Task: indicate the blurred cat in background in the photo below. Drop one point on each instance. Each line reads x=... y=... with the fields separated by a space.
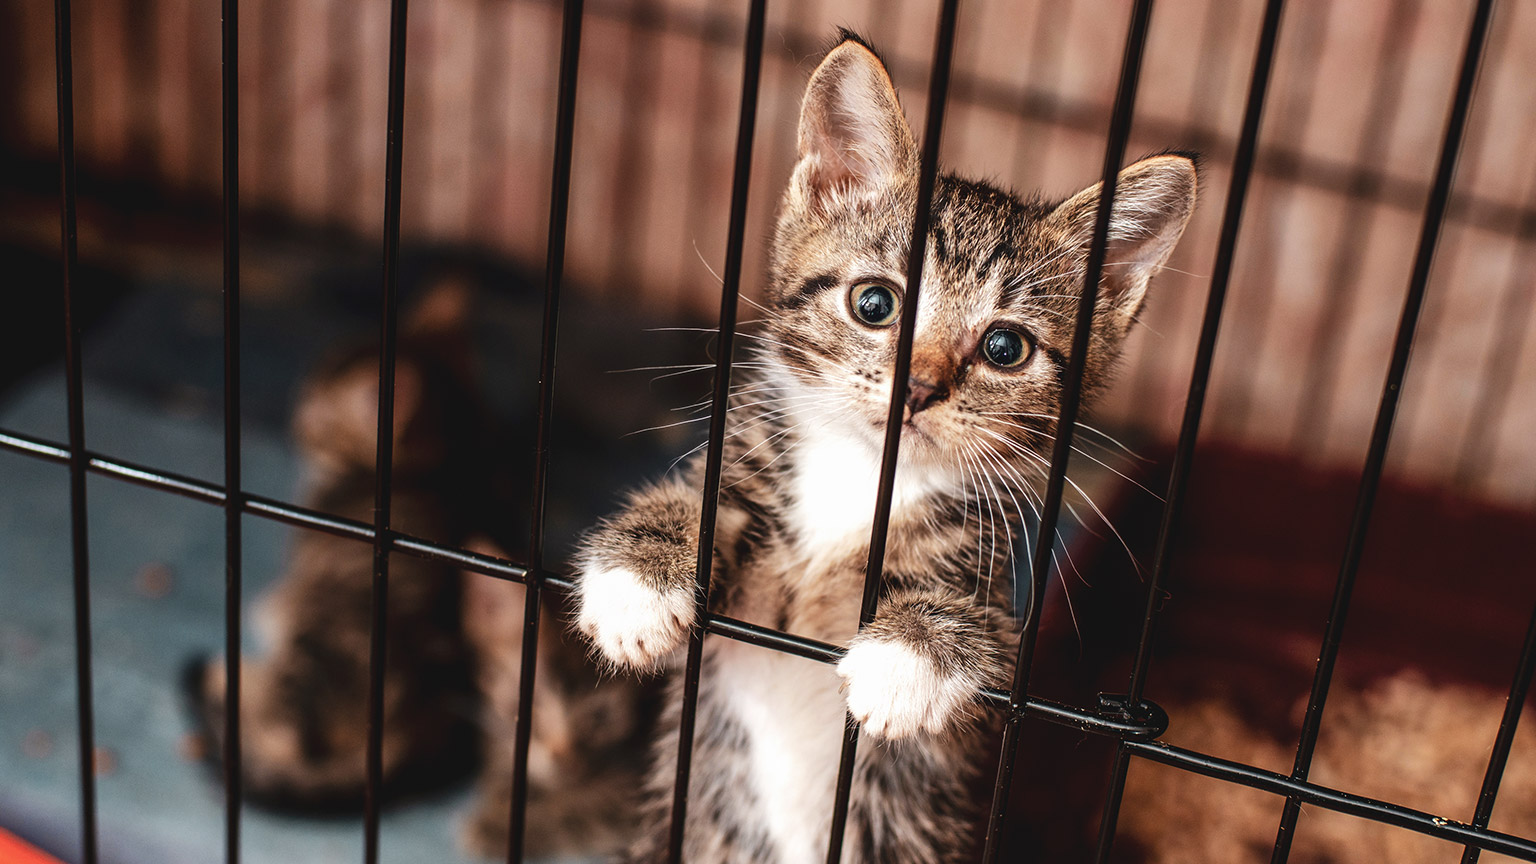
x=453 y=639
x=304 y=704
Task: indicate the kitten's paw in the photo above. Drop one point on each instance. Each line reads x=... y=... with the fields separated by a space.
x=629 y=621
x=895 y=692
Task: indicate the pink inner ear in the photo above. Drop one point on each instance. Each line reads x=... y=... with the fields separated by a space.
x=1137 y=254
x=837 y=146
x=833 y=176
x=853 y=135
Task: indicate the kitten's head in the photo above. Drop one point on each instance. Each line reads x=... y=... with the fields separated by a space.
x=1000 y=287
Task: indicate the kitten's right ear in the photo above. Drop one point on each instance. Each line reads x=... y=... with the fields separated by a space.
x=854 y=139
x=1154 y=199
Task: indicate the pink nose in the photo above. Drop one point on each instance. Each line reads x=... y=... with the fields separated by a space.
x=923 y=394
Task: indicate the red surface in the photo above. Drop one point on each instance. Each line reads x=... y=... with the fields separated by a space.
x=14 y=851
x=1445 y=589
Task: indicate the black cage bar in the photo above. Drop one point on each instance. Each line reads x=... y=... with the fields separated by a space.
x=234 y=545
x=1071 y=400
x=938 y=92
x=554 y=271
x=1133 y=723
x=730 y=292
x=63 y=53
x=384 y=462
x=1194 y=403
x=1375 y=462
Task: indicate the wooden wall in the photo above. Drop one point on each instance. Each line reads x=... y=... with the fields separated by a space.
x=1360 y=98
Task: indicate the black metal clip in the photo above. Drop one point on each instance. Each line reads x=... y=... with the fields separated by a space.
x=1142 y=721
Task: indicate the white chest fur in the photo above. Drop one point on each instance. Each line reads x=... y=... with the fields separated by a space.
x=835 y=481
x=792 y=711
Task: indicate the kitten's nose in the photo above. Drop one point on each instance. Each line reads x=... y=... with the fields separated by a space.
x=922 y=394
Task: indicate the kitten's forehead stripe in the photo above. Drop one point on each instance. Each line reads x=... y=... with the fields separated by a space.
x=985 y=233
x=940 y=247
x=810 y=288
x=1003 y=250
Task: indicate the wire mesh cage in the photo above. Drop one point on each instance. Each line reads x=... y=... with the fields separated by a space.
x=1331 y=137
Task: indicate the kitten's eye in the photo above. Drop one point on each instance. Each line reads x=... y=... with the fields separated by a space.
x=1005 y=348
x=874 y=304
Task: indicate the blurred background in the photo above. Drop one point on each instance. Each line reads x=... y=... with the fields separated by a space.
x=1359 y=102
x=1352 y=130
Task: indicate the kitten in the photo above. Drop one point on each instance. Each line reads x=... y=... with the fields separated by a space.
x=304 y=704
x=802 y=455
x=587 y=734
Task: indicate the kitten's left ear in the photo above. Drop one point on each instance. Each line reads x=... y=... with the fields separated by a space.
x=1153 y=202
x=854 y=139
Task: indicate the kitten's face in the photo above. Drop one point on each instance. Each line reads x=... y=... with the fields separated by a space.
x=1000 y=286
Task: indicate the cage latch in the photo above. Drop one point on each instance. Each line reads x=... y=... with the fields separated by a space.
x=1143 y=720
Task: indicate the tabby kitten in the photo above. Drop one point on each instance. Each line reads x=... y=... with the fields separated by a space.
x=304 y=703
x=999 y=291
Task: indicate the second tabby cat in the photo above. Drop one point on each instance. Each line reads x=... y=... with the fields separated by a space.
x=303 y=704
x=454 y=639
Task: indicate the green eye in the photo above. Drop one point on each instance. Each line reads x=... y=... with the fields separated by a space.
x=874 y=304
x=1005 y=348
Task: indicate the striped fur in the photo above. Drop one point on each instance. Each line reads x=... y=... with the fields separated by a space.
x=798 y=492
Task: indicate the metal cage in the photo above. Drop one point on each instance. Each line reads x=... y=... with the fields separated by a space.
x=1129 y=720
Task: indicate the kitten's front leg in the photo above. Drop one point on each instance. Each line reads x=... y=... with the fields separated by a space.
x=921 y=662
x=635 y=586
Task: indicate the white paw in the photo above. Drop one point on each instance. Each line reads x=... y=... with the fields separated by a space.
x=630 y=622
x=896 y=692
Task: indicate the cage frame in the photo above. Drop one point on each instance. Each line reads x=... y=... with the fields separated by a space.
x=1132 y=722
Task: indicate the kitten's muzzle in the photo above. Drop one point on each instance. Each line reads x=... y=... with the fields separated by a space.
x=923 y=394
